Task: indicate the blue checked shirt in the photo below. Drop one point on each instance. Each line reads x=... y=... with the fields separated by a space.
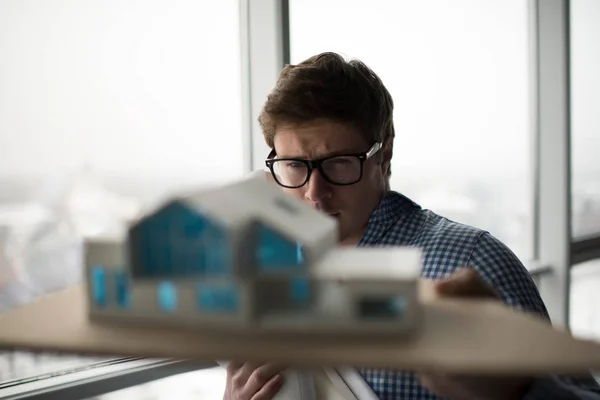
x=448 y=245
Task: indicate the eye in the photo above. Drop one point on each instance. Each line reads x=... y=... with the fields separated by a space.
x=340 y=162
x=294 y=164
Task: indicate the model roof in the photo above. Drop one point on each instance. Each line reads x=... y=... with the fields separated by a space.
x=258 y=199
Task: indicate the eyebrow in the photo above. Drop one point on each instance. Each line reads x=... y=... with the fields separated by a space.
x=342 y=152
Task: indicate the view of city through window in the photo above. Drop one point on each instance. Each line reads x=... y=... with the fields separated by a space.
x=585 y=118
x=585 y=172
x=105 y=107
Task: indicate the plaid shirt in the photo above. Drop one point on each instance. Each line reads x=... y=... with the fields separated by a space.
x=447 y=246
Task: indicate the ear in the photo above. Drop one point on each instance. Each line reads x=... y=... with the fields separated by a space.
x=387 y=152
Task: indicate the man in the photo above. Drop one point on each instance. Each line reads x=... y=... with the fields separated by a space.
x=329 y=123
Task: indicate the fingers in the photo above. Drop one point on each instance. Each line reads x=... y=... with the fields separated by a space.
x=270 y=389
x=233 y=366
x=248 y=379
x=240 y=373
x=465 y=282
x=260 y=376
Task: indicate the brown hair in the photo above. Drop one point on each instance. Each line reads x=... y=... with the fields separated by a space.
x=328 y=87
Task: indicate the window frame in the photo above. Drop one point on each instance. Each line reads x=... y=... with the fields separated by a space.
x=98 y=381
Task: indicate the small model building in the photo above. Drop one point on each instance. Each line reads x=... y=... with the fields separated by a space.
x=247 y=255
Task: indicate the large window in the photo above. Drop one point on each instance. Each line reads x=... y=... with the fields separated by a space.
x=585 y=117
x=584 y=314
x=106 y=106
x=146 y=95
x=458 y=73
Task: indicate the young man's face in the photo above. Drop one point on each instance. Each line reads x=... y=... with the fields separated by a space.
x=352 y=204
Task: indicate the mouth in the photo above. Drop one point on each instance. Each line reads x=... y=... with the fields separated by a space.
x=334 y=215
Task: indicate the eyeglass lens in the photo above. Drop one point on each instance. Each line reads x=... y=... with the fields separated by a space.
x=341 y=170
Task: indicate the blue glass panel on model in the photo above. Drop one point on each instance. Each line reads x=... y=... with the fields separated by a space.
x=163 y=241
x=186 y=241
x=190 y=245
x=146 y=252
x=299 y=253
x=170 y=241
x=275 y=251
x=399 y=305
x=217 y=250
x=98 y=277
x=153 y=245
x=300 y=290
x=122 y=289
x=218 y=299
x=167 y=296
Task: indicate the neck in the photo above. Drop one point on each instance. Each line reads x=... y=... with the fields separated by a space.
x=351 y=241
x=354 y=239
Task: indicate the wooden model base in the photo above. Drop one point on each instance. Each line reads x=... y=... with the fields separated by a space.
x=458 y=336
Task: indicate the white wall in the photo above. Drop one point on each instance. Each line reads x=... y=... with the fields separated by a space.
x=147 y=92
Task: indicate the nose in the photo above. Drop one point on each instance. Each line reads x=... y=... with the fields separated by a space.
x=317 y=189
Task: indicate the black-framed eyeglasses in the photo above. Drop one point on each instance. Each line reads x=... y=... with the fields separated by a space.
x=338 y=170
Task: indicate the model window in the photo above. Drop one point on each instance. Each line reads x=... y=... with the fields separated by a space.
x=99 y=286
x=218 y=299
x=217 y=250
x=381 y=307
x=122 y=289
x=300 y=290
x=275 y=251
x=167 y=296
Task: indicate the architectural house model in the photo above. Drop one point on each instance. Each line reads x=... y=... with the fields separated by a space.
x=247 y=255
x=244 y=272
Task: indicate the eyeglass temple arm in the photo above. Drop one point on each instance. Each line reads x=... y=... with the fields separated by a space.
x=374 y=149
x=271 y=155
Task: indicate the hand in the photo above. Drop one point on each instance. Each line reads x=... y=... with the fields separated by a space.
x=466 y=282
x=252 y=382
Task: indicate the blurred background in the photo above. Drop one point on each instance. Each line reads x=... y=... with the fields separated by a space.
x=109 y=106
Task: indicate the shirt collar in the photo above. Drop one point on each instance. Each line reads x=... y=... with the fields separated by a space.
x=393 y=209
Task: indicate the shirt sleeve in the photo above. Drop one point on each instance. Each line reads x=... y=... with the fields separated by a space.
x=501 y=268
